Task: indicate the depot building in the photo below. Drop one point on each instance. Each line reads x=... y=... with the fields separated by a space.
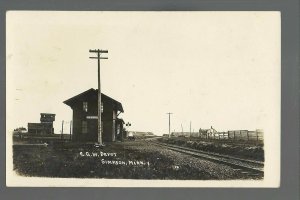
x=85 y=117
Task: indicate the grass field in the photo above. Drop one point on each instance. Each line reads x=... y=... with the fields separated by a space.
x=128 y=160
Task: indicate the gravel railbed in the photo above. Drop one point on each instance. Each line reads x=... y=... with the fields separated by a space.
x=226 y=158
x=190 y=166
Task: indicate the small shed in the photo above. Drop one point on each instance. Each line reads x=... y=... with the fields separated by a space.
x=44 y=127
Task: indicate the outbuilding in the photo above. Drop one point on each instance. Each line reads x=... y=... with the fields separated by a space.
x=44 y=127
x=85 y=117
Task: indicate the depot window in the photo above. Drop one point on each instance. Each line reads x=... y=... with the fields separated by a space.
x=85 y=106
x=84 y=127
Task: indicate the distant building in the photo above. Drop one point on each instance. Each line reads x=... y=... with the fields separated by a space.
x=202 y=133
x=85 y=117
x=45 y=126
x=139 y=134
x=212 y=132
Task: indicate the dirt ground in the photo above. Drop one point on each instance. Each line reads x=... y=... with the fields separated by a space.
x=126 y=160
x=250 y=151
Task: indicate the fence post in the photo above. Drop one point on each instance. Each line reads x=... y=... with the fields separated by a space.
x=71 y=130
x=62 y=130
x=233 y=135
x=247 y=135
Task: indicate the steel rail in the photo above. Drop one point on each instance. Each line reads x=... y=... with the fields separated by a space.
x=223 y=159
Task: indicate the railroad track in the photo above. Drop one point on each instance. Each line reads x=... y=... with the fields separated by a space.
x=250 y=168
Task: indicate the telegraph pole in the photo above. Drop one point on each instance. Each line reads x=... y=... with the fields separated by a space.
x=169 y=123
x=99 y=52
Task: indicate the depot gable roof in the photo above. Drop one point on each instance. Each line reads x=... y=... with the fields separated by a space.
x=93 y=91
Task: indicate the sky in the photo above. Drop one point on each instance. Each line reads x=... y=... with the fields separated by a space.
x=219 y=69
